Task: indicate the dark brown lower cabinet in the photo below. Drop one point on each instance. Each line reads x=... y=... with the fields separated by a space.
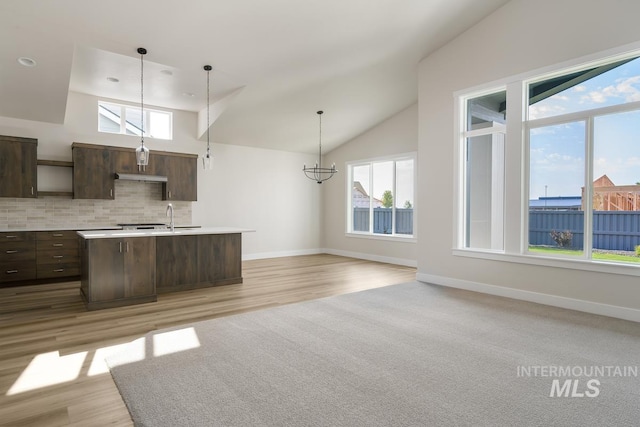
x=17 y=257
x=57 y=254
x=191 y=262
x=219 y=259
x=176 y=263
x=118 y=272
x=36 y=257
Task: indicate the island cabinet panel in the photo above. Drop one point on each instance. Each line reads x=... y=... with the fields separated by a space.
x=220 y=259
x=118 y=272
x=176 y=263
x=18 y=167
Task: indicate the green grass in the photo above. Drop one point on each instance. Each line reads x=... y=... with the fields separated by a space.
x=596 y=255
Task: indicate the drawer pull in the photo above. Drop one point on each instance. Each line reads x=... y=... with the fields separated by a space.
x=11 y=237
x=12 y=251
x=57 y=256
x=58 y=270
x=12 y=271
x=57 y=245
x=57 y=234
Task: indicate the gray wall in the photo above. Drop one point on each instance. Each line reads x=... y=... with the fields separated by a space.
x=396 y=135
x=520 y=37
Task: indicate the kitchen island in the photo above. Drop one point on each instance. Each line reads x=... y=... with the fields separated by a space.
x=122 y=267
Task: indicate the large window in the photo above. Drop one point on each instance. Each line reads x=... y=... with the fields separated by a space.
x=127 y=120
x=381 y=197
x=562 y=180
x=584 y=163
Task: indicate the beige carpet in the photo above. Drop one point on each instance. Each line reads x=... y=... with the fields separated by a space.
x=404 y=355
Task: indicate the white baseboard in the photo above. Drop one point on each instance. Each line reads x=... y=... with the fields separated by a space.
x=280 y=254
x=547 y=299
x=358 y=255
x=370 y=257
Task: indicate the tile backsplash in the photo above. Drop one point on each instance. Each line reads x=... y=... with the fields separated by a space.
x=134 y=202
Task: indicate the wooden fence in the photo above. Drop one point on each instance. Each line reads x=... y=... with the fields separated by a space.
x=382 y=220
x=612 y=230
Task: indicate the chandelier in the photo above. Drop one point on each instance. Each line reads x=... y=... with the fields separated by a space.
x=318 y=173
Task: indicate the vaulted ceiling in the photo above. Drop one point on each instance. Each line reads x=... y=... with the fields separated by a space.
x=275 y=63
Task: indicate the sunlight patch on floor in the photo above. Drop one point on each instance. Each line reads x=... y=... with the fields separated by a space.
x=98 y=363
x=175 y=341
x=48 y=369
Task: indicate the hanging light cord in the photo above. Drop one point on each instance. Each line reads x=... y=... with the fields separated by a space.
x=142 y=52
x=208 y=125
x=320 y=143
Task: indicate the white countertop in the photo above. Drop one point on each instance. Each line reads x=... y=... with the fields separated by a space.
x=77 y=228
x=62 y=228
x=111 y=234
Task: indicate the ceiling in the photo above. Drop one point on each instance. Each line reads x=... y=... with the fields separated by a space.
x=275 y=63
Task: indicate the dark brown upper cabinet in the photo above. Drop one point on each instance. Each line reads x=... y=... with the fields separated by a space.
x=182 y=175
x=93 y=174
x=18 y=167
x=95 y=167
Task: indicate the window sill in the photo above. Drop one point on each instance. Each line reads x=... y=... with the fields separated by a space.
x=549 y=261
x=394 y=238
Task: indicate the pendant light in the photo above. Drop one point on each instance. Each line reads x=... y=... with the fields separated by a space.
x=207 y=159
x=318 y=173
x=142 y=152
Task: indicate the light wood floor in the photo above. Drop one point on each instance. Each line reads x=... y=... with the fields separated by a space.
x=48 y=326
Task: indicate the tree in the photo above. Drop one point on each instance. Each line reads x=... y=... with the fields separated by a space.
x=562 y=238
x=387 y=199
x=408 y=205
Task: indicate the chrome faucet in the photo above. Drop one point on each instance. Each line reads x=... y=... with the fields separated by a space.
x=170 y=213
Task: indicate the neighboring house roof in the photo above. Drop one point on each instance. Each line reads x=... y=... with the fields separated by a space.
x=558 y=202
x=603 y=181
x=358 y=188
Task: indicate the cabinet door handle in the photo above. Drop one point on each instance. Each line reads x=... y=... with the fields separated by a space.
x=169 y=194
x=11 y=237
x=57 y=245
x=57 y=256
x=12 y=271
x=57 y=234
x=32 y=191
x=120 y=246
x=111 y=192
x=58 y=270
x=12 y=251
x=127 y=244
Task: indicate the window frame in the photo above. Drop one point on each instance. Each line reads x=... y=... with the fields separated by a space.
x=147 y=120
x=461 y=153
x=349 y=205
x=517 y=157
x=588 y=117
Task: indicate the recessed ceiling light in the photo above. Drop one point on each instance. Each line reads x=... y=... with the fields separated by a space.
x=113 y=79
x=189 y=94
x=167 y=72
x=27 y=62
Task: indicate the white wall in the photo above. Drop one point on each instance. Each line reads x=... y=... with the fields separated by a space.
x=252 y=188
x=396 y=135
x=264 y=190
x=520 y=37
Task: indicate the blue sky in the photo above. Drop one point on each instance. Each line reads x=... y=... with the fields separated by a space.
x=558 y=152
